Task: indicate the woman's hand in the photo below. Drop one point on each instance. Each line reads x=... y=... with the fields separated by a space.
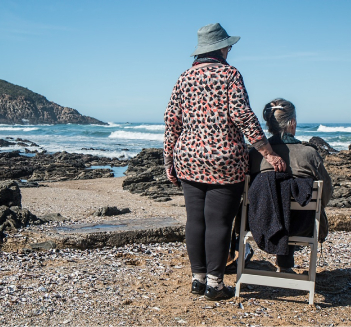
x=171 y=177
x=276 y=161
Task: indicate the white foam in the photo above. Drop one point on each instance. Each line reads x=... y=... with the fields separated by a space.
x=24 y=129
x=303 y=137
x=327 y=129
x=136 y=136
x=148 y=127
x=111 y=124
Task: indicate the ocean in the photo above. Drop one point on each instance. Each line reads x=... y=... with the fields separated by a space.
x=125 y=140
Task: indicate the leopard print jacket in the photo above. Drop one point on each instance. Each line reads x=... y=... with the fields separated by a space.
x=206 y=120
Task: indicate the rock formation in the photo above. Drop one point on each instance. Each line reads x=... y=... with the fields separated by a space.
x=146 y=175
x=19 y=105
x=54 y=167
x=12 y=215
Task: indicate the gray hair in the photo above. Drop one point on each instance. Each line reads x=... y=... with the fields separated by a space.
x=278 y=115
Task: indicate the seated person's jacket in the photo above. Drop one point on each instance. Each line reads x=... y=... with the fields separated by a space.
x=302 y=161
x=270 y=220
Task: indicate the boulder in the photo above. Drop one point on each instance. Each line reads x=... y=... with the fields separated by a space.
x=12 y=215
x=321 y=146
x=10 y=194
x=4 y=143
x=146 y=176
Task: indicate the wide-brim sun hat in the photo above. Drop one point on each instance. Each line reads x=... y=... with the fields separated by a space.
x=213 y=37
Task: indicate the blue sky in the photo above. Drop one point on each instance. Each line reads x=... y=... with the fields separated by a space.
x=118 y=60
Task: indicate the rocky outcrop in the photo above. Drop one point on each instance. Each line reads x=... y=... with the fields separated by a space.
x=19 y=105
x=146 y=176
x=59 y=166
x=339 y=167
x=12 y=215
x=321 y=146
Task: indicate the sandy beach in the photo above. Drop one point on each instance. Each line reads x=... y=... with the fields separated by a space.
x=148 y=284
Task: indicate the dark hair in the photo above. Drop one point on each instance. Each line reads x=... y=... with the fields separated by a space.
x=278 y=115
x=212 y=54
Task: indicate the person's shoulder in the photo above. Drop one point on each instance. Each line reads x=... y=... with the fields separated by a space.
x=232 y=69
x=305 y=149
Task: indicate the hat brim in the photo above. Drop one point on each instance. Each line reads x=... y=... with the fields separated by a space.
x=215 y=46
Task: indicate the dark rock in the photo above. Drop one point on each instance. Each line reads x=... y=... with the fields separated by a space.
x=10 y=194
x=22 y=183
x=26 y=141
x=12 y=215
x=350 y=147
x=110 y=211
x=11 y=154
x=4 y=143
x=321 y=146
x=55 y=167
x=94 y=149
x=146 y=176
x=19 y=105
x=339 y=168
x=15 y=217
x=52 y=217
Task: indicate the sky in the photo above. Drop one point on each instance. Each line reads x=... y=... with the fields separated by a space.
x=119 y=60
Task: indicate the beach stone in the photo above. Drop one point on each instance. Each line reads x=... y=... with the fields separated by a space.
x=110 y=211
x=52 y=217
x=48 y=245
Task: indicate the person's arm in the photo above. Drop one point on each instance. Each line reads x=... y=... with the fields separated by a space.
x=173 y=128
x=243 y=117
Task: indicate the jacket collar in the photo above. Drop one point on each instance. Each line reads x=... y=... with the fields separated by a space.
x=286 y=138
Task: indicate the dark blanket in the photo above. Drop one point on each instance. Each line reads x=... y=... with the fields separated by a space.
x=269 y=210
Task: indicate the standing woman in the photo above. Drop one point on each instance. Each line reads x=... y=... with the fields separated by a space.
x=206 y=120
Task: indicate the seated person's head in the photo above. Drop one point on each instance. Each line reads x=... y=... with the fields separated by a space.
x=280 y=117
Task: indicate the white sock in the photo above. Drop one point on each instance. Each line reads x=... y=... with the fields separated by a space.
x=215 y=282
x=201 y=277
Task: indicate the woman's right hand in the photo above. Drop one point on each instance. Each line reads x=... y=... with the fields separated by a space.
x=276 y=161
x=171 y=177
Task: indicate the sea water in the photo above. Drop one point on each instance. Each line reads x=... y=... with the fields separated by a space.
x=125 y=140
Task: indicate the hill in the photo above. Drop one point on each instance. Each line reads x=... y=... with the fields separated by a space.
x=18 y=105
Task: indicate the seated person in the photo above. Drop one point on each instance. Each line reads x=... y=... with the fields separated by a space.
x=302 y=161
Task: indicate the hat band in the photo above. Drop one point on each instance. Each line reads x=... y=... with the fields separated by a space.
x=217 y=41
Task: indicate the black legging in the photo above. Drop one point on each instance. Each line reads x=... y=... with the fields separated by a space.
x=210 y=213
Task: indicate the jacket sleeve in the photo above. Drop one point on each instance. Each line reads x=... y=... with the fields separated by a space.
x=173 y=124
x=240 y=111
